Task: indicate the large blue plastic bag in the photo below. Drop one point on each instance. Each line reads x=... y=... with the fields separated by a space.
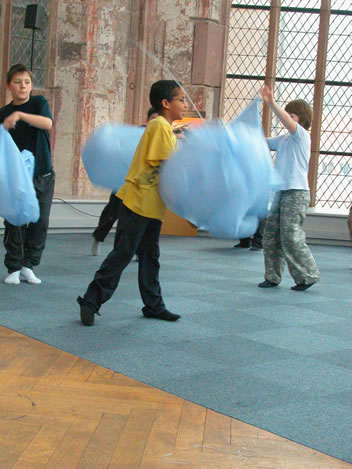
x=28 y=159
x=196 y=181
x=108 y=153
x=222 y=176
x=18 y=201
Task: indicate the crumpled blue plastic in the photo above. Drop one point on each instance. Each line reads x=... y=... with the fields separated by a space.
x=18 y=201
x=108 y=153
x=222 y=176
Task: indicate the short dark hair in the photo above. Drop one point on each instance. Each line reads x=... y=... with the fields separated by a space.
x=151 y=111
x=18 y=68
x=303 y=110
x=162 y=89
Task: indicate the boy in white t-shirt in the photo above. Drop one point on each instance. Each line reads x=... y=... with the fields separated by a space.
x=284 y=237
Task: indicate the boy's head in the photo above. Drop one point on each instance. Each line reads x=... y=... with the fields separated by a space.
x=19 y=82
x=18 y=68
x=152 y=114
x=168 y=99
x=302 y=110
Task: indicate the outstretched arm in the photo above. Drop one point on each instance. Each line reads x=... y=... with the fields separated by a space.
x=267 y=95
x=41 y=122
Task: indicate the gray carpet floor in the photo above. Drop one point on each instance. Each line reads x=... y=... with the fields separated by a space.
x=277 y=359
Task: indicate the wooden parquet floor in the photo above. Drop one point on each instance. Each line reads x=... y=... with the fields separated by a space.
x=59 y=411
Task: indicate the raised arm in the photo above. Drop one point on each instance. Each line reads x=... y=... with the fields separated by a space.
x=267 y=95
x=41 y=122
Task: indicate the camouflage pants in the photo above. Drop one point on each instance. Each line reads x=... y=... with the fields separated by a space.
x=285 y=241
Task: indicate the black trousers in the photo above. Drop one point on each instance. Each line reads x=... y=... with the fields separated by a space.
x=107 y=218
x=25 y=244
x=134 y=234
x=257 y=239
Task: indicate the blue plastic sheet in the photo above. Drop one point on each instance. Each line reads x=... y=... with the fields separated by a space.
x=222 y=176
x=108 y=153
x=18 y=202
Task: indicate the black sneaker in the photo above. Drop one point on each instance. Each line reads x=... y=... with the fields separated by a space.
x=255 y=248
x=163 y=315
x=267 y=284
x=302 y=286
x=88 y=311
x=243 y=244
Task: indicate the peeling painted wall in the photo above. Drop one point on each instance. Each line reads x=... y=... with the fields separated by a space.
x=90 y=71
x=106 y=55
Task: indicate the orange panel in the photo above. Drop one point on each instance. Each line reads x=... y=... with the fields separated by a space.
x=177 y=226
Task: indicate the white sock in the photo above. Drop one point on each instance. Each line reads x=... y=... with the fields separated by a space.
x=28 y=275
x=95 y=249
x=13 y=278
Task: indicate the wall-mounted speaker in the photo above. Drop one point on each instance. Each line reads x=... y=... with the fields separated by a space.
x=34 y=18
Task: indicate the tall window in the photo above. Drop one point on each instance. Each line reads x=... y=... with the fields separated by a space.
x=246 y=54
x=297 y=50
x=22 y=41
x=334 y=188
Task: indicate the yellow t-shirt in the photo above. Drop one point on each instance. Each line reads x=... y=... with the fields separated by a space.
x=140 y=192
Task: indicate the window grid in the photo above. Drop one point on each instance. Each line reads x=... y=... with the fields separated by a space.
x=296 y=64
x=21 y=41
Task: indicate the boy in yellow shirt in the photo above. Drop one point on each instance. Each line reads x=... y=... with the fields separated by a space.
x=141 y=213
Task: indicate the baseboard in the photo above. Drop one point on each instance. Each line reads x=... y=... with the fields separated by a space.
x=81 y=216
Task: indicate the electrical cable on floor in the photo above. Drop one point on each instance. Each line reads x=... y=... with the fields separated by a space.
x=74 y=208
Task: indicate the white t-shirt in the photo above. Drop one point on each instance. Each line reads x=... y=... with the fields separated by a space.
x=292 y=158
